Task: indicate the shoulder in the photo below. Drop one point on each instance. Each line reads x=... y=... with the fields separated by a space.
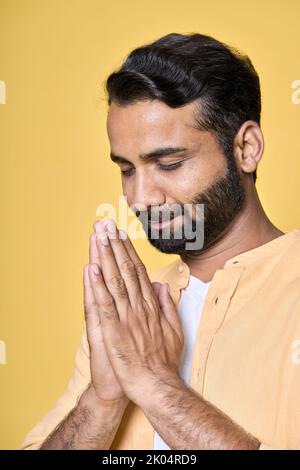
x=291 y=257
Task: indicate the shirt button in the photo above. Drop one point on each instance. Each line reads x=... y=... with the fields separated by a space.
x=180 y=268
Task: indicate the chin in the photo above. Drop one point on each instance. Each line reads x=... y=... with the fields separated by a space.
x=171 y=247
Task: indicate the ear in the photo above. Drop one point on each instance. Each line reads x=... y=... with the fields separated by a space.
x=248 y=146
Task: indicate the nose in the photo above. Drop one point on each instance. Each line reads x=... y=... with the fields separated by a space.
x=146 y=191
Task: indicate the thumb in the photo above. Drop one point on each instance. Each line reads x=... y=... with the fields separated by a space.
x=169 y=309
x=156 y=287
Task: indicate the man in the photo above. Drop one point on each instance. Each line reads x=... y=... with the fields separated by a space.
x=204 y=353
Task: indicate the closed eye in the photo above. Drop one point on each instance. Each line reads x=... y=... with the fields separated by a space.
x=170 y=167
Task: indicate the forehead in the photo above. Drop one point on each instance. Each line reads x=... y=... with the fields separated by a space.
x=146 y=124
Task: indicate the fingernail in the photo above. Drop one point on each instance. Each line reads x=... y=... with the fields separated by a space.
x=122 y=234
x=98 y=226
x=103 y=239
x=96 y=269
x=111 y=227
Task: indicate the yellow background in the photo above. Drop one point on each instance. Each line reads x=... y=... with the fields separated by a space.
x=55 y=167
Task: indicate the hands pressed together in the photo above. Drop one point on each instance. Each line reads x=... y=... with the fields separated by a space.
x=133 y=328
x=135 y=341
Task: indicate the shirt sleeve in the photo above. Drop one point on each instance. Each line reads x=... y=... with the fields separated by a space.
x=78 y=383
x=266 y=447
x=289 y=408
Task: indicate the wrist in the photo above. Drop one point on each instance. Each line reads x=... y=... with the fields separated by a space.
x=155 y=387
x=90 y=399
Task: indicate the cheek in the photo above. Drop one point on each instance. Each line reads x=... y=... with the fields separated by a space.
x=188 y=181
x=195 y=178
x=126 y=188
x=183 y=184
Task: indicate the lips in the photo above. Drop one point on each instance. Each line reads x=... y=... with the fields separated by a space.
x=160 y=224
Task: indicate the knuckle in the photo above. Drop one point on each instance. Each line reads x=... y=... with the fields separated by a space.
x=127 y=266
x=117 y=284
x=108 y=313
x=122 y=357
x=140 y=268
x=107 y=303
x=88 y=305
x=142 y=309
x=153 y=304
x=87 y=312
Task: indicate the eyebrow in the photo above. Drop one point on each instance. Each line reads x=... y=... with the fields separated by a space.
x=157 y=153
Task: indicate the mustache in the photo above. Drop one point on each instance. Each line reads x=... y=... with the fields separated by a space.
x=159 y=214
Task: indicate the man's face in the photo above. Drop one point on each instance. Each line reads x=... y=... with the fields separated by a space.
x=154 y=177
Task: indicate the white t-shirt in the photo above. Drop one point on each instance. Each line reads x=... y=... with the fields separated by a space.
x=189 y=310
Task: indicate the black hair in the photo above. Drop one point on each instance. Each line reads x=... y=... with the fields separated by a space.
x=180 y=68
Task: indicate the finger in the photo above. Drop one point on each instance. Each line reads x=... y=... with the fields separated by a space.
x=124 y=262
x=111 y=273
x=94 y=253
x=156 y=287
x=140 y=268
x=97 y=225
x=93 y=250
x=91 y=313
x=107 y=312
x=169 y=310
x=156 y=320
x=104 y=301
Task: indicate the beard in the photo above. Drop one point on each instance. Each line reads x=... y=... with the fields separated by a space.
x=222 y=201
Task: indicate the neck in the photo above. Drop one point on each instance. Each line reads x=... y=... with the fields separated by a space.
x=250 y=229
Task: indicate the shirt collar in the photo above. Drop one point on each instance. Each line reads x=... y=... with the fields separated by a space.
x=178 y=272
x=267 y=249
